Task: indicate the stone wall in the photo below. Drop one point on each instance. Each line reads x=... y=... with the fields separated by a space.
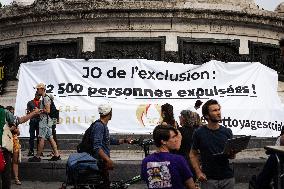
x=225 y=30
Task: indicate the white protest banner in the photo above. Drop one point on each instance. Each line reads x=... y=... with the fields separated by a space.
x=136 y=89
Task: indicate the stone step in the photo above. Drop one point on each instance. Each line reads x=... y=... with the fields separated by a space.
x=67 y=142
x=127 y=165
x=71 y=144
x=7 y=100
x=11 y=92
x=11 y=86
x=12 y=83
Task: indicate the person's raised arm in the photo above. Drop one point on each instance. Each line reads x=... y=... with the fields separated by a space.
x=28 y=116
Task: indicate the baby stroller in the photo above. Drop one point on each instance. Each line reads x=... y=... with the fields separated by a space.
x=82 y=172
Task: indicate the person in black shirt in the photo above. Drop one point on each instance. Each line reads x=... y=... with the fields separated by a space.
x=209 y=140
x=34 y=123
x=270 y=170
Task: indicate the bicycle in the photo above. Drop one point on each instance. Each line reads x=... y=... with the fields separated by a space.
x=93 y=179
x=145 y=144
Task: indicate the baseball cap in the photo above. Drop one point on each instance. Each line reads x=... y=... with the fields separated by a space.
x=104 y=109
x=40 y=86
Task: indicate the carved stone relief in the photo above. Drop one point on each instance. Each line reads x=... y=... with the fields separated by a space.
x=198 y=51
x=42 y=50
x=266 y=54
x=128 y=48
x=171 y=56
x=8 y=59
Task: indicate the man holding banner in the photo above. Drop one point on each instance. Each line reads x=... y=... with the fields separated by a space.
x=209 y=140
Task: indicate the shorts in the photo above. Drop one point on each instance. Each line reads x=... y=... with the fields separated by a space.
x=45 y=132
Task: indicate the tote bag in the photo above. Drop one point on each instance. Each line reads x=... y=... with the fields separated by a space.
x=7 y=139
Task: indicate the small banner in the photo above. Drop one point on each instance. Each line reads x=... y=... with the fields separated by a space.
x=136 y=89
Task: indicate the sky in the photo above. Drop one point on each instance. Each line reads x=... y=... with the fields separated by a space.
x=266 y=4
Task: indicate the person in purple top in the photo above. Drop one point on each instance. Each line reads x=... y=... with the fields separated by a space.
x=163 y=169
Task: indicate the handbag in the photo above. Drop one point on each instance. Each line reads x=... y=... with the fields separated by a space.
x=2 y=161
x=7 y=139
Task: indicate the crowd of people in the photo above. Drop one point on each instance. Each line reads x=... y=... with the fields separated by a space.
x=42 y=127
x=186 y=151
x=185 y=156
x=195 y=149
x=180 y=147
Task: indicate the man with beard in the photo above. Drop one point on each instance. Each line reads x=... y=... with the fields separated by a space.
x=209 y=140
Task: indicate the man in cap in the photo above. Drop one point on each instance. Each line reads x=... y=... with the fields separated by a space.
x=45 y=125
x=102 y=140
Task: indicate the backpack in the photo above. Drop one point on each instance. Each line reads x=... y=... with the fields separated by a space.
x=54 y=113
x=87 y=143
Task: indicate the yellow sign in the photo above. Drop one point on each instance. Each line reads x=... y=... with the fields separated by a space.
x=1 y=73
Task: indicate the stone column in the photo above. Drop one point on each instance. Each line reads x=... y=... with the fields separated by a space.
x=171 y=48
x=244 y=48
x=23 y=49
x=88 y=43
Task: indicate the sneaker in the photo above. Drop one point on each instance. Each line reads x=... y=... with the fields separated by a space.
x=34 y=159
x=41 y=154
x=31 y=153
x=55 y=158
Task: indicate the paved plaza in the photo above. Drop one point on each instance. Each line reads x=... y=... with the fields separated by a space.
x=57 y=185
